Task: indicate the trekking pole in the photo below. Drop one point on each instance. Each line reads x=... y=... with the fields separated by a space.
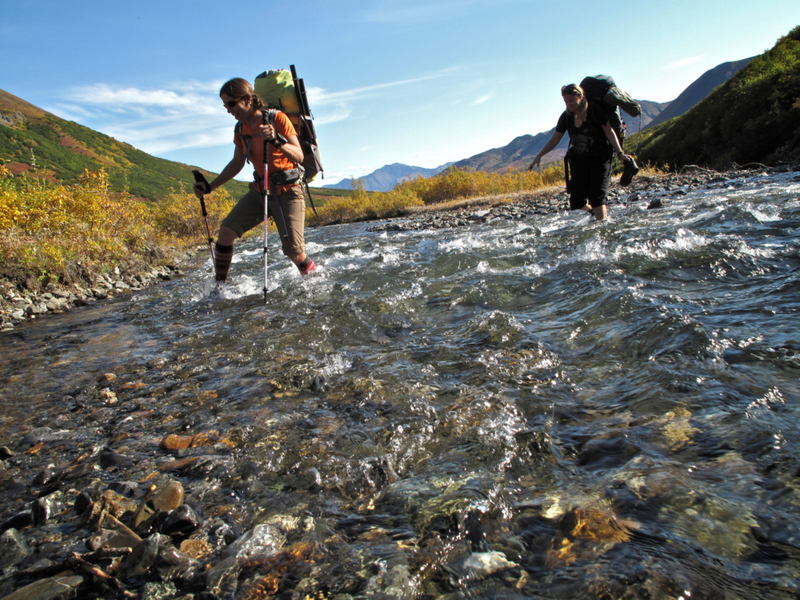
x=266 y=217
x=199 y=178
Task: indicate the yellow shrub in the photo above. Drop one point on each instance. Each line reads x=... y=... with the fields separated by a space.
x=46 y=226
x=179 y=216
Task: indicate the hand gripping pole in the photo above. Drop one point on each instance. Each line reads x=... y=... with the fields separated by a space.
x=199 y=178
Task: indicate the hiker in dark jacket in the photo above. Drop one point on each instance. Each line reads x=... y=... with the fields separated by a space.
x=283 y=153
x=593 y=144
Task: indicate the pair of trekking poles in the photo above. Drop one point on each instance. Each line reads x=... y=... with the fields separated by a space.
x=199 y=178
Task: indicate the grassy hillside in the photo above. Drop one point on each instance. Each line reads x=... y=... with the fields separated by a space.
x=753 y=118
x=62 y=150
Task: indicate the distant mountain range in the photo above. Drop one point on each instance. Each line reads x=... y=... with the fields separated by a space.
x=388 y=176
x=31 y=138
x=521 y=150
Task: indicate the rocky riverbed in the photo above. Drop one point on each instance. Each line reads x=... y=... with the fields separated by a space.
x=18 y=306
x=188 y=468
x=650 y=191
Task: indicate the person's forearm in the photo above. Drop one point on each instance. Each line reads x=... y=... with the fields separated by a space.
x=293 y=152
x=229 y=172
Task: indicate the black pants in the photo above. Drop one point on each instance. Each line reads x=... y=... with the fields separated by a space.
x=588 y=182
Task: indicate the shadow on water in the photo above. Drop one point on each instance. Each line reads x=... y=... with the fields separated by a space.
x=559 y=409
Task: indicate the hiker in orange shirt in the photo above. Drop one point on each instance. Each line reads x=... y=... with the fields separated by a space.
x=284 y=154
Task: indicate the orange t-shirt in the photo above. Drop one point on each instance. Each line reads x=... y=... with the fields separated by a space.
x=278 y=161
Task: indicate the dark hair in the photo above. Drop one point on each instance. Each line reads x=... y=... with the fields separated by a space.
x=241 y=88
x=573 y=89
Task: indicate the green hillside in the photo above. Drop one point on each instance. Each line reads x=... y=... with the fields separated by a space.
x=753 y=118
x=60 y=149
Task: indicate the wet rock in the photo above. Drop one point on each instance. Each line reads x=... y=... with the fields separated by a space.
x=46 y=475
x=18 y=521
x=483 y=564
x=114 y=534
x=143 y=557
x=44 y=435
x=175 y=564
x=60 y=587
x=159 y=590
x=196 y=548
x=168 y=496
x=108 y=396
x=183 y=520
x=176 y=442
x=43 y=509
x=13 y=548
x=111 y=458
x=222 y=577
x=129 y=489
x=261 y=540
x=86 y=499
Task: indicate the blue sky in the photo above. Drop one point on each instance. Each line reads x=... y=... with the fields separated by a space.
x=420 y=82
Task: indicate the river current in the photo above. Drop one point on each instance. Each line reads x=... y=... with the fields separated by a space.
x=549 y=407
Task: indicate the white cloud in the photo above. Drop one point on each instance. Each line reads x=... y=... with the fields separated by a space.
x=684 y=62
x=120 y=99
x=157 y=121
x=482 y=99
x=319 y=96
x=333 y=106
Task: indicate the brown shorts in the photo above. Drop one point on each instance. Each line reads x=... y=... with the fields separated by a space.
x=249 y=213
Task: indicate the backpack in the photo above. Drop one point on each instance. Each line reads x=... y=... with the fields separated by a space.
x=282 y=90
x=603 y=91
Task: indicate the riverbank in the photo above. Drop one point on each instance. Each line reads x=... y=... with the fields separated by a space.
x=488 y=411
x=18 y=306
x=646 y=190
x=651 y=191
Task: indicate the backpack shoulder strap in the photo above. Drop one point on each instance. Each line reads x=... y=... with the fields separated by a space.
x=268 y=116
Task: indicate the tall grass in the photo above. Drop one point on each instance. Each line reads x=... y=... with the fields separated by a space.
x=453 y=184
x=56 y=232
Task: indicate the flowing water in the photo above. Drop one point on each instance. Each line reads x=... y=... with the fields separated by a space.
x=542 y=408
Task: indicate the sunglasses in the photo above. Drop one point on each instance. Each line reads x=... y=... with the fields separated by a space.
x=231 y=103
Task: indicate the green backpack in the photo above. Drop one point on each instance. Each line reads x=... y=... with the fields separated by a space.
x=282 y=90
x=276 y=89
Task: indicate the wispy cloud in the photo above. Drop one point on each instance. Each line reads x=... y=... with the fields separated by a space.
x=332 y=106
x=158 y=121
x=189 y=114
x=482 y=99
x=684 y=62
x=198 y=98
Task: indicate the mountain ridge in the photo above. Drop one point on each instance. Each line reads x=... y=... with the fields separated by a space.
x=699 y=89
x=520 y=151
x=31 y=137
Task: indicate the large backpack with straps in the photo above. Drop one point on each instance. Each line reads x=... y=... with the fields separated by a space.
x=281 y=89
x=603 y=91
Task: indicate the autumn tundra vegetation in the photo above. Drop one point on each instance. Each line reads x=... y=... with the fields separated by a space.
x=62 y=230
x=51 y=232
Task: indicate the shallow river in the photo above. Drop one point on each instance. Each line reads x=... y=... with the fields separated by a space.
x=541 y=408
